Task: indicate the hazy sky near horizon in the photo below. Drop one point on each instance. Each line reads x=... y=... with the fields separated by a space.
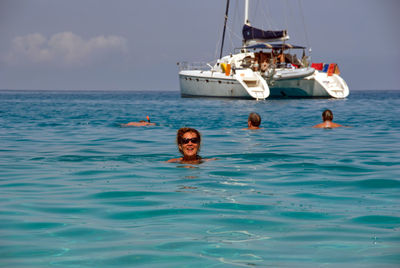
x=135 y=45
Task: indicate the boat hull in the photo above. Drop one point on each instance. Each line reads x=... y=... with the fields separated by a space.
x=194 y=83
x=297 y=88
x=210 y=84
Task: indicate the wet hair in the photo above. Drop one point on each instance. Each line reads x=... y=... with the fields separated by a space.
x=255 y=119
x=182 y=131
x=327 y=115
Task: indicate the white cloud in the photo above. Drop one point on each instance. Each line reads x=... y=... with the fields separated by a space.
x=64 y=48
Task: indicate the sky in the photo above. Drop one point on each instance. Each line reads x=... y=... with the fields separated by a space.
x=135 y=45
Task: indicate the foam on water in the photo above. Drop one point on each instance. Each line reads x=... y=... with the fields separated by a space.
x=78 y=190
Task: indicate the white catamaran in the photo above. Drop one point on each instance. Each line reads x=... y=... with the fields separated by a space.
x=265 y=66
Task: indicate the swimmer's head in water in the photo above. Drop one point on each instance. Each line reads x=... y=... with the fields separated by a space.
x=148 y=118
x=255 y=119
x=188 y=140
x=327 y=115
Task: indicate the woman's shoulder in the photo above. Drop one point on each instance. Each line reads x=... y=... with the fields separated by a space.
x=197 y=161
x=173 y=160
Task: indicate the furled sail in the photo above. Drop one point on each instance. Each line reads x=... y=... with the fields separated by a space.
x=252 y=33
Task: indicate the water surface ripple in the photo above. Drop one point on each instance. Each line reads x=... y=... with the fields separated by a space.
x=78 y=190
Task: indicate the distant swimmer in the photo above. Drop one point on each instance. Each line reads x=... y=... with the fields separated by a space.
x=327 y=117
x=254 y=121
x=141 y=123
x=188 y=141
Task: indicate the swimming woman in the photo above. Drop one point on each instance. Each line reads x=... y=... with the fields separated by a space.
x=188 y=141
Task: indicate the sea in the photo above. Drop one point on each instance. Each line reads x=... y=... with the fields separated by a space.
x=79 y=190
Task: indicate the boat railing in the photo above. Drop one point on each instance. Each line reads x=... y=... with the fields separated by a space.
x=202 y=66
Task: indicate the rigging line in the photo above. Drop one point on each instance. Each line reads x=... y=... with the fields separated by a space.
x=223 y=34
x=255 y=11
x=265 y=11
x=230 y=38
x=304 y=24
x=234 y=22
x=216 y=46
x=217 y=43
x=285 y=13
x=231 y=32
x=265 y=17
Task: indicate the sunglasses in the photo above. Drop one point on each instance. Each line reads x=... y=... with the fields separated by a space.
x=193 y=140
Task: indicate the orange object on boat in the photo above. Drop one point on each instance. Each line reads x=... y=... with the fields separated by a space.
x=228 y=69
x=337 y=71
x=331 y=69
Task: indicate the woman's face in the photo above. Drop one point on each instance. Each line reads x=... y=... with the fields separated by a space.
x=190 y=145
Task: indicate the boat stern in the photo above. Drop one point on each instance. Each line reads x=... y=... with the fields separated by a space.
x=334 y=85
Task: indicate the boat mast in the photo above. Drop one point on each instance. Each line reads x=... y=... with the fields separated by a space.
x=246 y=13
x=223 y=34
x=246 y=20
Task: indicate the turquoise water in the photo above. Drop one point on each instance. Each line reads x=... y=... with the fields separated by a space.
x=78 y=190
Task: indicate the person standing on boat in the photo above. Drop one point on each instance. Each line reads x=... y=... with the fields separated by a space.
x=264 y=66
x=327 y=117
x=256 y=66
x=254 y=121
